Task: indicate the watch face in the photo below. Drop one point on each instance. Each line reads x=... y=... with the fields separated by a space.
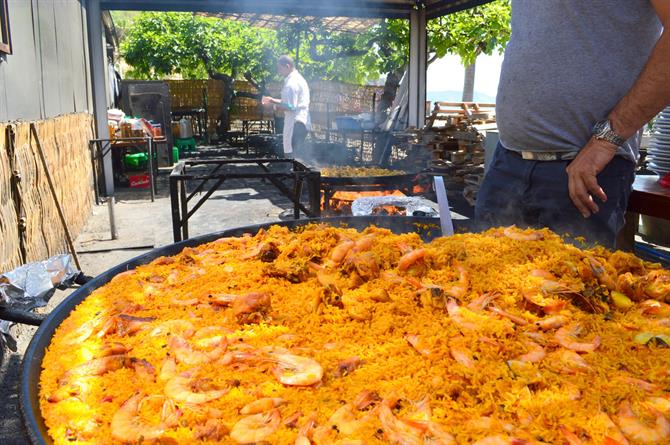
x=599 y=127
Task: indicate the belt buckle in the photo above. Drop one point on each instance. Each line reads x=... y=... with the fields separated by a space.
x=538 y=156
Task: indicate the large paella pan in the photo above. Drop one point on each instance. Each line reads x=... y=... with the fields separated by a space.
x=327 y=335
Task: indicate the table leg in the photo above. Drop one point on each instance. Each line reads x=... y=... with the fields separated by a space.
x=626 y=238
x=151 y=169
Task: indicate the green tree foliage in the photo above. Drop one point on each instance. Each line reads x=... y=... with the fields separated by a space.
x=162 y=44
x=157 y=45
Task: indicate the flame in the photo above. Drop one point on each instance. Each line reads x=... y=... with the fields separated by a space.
x=419 y=189
x=341 y=201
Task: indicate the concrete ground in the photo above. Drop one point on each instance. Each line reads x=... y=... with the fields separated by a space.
x=142 y=225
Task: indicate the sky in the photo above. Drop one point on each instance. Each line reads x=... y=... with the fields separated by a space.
x=447 y=74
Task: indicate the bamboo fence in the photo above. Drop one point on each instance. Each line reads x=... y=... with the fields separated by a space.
x=30 y=229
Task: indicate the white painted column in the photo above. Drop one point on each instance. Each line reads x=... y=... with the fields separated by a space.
x=418 y=57
x=98 y=66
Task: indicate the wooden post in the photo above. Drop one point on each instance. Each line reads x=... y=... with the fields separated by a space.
x=68 y=238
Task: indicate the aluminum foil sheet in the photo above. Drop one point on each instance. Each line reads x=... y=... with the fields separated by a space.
x=32 y=285
x=414 y=206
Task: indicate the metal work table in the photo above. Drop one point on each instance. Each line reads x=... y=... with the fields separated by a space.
x=298 y=175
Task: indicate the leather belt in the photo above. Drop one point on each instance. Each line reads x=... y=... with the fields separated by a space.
x=548 y=155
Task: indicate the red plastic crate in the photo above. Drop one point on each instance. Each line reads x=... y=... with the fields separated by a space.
x=139 y=181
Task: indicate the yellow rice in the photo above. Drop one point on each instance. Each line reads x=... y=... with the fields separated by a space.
x=470 y=404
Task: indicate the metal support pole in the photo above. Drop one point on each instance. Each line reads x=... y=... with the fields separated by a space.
x=418 y=57
x=112 y=218
x=98 y=83
x=174 y=204
x=150 y=147
x=184 y=209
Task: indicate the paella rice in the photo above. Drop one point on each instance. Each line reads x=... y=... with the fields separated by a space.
x=327 y=335
x=346 y=171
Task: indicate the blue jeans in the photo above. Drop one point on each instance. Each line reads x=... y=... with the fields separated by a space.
x=535 y=194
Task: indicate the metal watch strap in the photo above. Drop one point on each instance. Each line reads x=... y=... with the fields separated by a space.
x=607 y=134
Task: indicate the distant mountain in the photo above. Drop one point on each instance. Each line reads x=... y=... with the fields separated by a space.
x=456 y=96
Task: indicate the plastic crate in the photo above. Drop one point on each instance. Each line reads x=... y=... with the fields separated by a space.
x=139 y=181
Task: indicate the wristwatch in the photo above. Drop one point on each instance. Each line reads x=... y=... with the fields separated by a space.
x=602 y=130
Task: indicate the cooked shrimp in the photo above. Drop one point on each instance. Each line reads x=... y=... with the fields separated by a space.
x=98 y=366
x=634 y=428
x=364 y=243
x=479 y=303
x=566 y=337
x=514 y=233
x=462 y=355
x=603 y=272
x=570 y=362
x=661 y=404
x=613 y=432
x=112 y=348
x=514 y=318
x=345 y=420
x=657 y=284
x=461 y=287
x=538 y=295
x=411 y=258
x=124 y=325
x=256 y=428
x=458 y=314
x=83 y=332
x=187 y=389
x=365 y=399
x=570 y=437
x=252 y=307
x=347 y=366
x=294 y=370
x=653 y=307
x=210 y=337
x=168 y=370
x=365 y=264
x=213 y=430
x=553 y=322
x=419 y=345
x=639 y=383
x=535 y=353
x=399 y=432
x=127 y=426
x=261 y=405
x=187 y=354
x=265 y=252
x=171 y=327
x=500 y=440
x=339 y=252
x=73 y=388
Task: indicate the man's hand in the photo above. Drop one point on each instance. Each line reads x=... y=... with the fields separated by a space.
x=267 y=100
x=582 y=171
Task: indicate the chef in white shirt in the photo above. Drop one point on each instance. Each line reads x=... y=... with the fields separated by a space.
x=295 y=103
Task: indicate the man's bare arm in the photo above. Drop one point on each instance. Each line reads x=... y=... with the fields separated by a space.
x=651 y=92
x=649 y=95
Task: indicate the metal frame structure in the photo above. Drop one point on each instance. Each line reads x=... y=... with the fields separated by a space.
x=180 y=176
x=101 y=150
x=417 y=11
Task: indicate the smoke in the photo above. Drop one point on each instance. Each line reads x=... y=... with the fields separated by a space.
x=325 y=154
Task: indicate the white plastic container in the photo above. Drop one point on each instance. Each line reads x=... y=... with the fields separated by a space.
x=185 y=129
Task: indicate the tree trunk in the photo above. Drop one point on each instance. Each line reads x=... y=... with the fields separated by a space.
x=382 y=141
x=390 y=90
x=226 y=103
x=469 y=82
